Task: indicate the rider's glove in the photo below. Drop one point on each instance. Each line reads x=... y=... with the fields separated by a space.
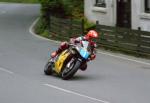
x=92 y=57
x=74 y=41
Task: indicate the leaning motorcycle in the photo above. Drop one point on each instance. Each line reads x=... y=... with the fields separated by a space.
x=67 y=63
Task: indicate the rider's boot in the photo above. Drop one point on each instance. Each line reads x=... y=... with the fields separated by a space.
x=55 y=53
x=63 y=46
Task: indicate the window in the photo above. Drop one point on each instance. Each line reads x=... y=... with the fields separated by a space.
x=100 y=3
x=147 y=6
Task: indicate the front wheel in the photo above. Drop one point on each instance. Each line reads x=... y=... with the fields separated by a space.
x=48 y=69
x=68 y=72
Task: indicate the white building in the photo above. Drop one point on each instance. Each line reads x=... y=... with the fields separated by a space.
x=123 y=13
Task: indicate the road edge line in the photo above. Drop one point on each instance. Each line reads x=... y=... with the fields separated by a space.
x=31 y=30
x=75 y=93
x=5 y=70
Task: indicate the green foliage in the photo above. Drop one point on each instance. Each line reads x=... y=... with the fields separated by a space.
x=75 y=8
x=21 y=1
x=52 y=7
x=39 y=27
x=88 y=25
x=59 y=8
x=62 y=8
x=45 y=34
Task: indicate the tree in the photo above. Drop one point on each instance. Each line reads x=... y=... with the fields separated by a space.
x=62 y=8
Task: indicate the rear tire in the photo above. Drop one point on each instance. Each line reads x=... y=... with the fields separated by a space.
x=48 y=69
x=71 y=71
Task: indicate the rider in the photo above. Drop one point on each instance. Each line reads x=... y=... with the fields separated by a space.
x=88 y=37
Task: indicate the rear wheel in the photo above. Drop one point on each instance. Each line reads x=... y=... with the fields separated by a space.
x=68 y=72
x=48 y=69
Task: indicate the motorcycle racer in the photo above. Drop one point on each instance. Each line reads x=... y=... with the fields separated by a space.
x=88 y=37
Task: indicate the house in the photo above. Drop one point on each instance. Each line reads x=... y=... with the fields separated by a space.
x=132 y=14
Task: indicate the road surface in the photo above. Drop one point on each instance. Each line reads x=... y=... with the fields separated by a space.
x=109 y=79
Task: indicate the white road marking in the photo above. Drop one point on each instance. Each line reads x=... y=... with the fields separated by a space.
x=40 y=37
x=109 y=54
x=31 y=30
x=75 y=93
x=124 y=58
x=5 y=70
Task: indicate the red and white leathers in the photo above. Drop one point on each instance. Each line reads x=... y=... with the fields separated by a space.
x=93 y=45
x=64 y=45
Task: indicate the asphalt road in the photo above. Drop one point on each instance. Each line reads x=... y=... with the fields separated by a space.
x=109 y=79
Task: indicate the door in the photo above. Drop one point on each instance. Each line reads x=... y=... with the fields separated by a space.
x=124 y=13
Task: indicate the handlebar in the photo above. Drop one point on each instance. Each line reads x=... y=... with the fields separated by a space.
x=72 y=44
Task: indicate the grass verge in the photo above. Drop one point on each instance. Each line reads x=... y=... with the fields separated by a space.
x=20 y=1
x=41 y=30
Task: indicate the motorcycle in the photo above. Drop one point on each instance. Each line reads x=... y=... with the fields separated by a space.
x=67 y=63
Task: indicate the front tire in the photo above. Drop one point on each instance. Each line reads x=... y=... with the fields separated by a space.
x=48 y=69
x=68 y=73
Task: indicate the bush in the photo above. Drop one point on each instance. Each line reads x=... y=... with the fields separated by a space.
x=20 y=1
x=62 y=8
x=88 y=25
x=52 y=7
x=58 y=8
x=74 y=8
x=40 y=26
x=41 y=29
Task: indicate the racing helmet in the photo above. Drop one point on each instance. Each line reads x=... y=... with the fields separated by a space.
x=91 y=34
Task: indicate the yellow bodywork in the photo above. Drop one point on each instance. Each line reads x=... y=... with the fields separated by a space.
x=60 y=61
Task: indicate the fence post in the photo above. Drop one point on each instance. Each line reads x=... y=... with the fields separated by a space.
x=116 y=38
x=139 y=41
x=49 y=23
x=59 y=29
x=49 y=27
x=98 y=41
x=70 y=33
x=97 y=23
x=82 y=26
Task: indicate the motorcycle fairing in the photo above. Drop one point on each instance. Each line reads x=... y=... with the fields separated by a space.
x=60 y=61
x=84 y=53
